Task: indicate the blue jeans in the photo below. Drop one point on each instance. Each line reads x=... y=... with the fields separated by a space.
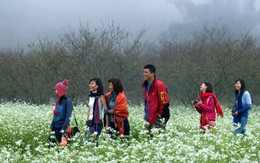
x=94 y=127
x=242 y=119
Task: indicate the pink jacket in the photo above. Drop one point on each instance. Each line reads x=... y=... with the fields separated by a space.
x=208 y=105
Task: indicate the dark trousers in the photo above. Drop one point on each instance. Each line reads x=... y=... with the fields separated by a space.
x=166 y=114
x=94 y=127
x=126 y=127
x=58 y=134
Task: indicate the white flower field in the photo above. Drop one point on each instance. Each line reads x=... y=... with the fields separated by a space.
x=25 y=130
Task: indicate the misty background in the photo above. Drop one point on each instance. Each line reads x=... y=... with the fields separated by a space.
x=189 y=41
x=23 y=22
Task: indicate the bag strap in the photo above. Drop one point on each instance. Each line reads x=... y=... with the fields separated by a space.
x=75 y=120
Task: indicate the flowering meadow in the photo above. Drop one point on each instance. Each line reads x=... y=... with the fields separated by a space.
x=25 y=130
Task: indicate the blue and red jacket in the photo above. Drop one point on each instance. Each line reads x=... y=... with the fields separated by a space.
x=61 y=119
x=157 y=99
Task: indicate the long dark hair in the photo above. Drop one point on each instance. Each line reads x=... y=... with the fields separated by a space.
x=209 y=87
x=98 y=81
x=240 y=94
x=117 y=85
x=243 y=86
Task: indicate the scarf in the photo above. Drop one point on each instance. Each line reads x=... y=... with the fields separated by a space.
x=58 y=100
x=239 y=100
x=204 y=118
x=96 y=113
x=119 y=124
x=112 y=97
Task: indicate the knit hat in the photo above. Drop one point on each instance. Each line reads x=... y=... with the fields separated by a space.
x=62 y=87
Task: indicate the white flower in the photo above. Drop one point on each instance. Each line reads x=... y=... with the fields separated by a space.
x=19 y=142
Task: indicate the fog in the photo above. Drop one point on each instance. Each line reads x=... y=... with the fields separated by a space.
x=25 y=21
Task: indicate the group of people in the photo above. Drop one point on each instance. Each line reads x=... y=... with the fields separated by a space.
x=111 y=111
x=114 y=106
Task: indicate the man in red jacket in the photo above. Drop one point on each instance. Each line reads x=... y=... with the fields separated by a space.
x=156 y=99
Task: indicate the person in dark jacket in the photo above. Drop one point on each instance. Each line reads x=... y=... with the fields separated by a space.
x=156 y=100
x=60 y=124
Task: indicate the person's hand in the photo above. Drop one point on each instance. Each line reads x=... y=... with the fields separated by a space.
x=50 y=129
x=105 y=111
x=236 y=113
x=197 y=104
x=63 y=141
x=86 y=122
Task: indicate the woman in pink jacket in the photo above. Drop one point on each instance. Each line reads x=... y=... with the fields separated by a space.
x=207 y=105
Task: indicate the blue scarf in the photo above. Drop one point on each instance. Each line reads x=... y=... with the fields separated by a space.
x=239 y=100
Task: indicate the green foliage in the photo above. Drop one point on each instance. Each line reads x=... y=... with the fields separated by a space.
x=213 y=54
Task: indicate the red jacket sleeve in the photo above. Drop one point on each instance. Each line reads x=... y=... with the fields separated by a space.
x=199 y=109
x=209 y=105
x=163 y=97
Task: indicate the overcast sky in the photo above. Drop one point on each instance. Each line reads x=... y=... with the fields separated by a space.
x=25 y=21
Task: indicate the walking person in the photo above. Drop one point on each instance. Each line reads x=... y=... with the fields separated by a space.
x=242 y=104
x=208 y=106
x=117 y=108
x=156 y=100
x=60 y=125
x=96 y=103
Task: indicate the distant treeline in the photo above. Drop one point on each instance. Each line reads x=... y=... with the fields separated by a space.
x=213 y=54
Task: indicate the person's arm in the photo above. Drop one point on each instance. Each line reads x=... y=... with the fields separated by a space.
x=163 y=97
x=199 y=110
x=120 y=109
x=87 y=115
x=209 y=106
x=248 y=105
x=87 y=112
x=68 y=115
x=197 y=106
x=104 y=106
x=52 y=124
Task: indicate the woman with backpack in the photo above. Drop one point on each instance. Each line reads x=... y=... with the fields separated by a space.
x=60 y=125
x=242 y=104
x=207 y=105
x=117 y=108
